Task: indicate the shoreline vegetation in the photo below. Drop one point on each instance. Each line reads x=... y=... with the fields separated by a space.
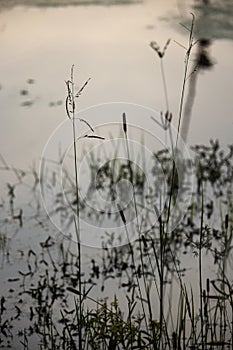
x=50 y=300
x=45 y=289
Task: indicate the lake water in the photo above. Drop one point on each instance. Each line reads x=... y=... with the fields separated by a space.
x=108 y=42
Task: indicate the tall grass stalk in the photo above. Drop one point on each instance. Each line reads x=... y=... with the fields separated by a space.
x=163 y=235
x=164 y=84
x=125 y=129
x=180 y=114
x=164 y=229
x=200 y=266
x=70 y=109
x=161 y=279
x=134 y=264
x=191 y=43
x=161 y=54
x=142 y=255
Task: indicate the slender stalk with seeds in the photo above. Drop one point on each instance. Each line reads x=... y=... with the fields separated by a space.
x=164 y=229
x=188 y=53
x=161 y=54
x=70 y=110
x=71 y=100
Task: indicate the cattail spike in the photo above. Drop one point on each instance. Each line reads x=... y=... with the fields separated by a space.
x=121 y=214
x=208 y=285
x=226 y=221
x=124 y=123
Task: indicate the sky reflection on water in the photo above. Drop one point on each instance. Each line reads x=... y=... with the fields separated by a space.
x=110 y=45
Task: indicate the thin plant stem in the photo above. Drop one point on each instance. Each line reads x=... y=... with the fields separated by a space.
x=200 y=269
x=133 y=262
x=136 y=213
x=71 y=96
x=190 y=46
x=161 y=280
x=164 y=83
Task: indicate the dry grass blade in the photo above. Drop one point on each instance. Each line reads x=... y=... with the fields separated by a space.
x=89 y=125
x=90 y=137
x=94 y=137
x=82 y=88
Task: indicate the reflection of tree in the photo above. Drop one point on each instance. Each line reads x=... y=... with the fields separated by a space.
x=213 y=21
x=202 y=62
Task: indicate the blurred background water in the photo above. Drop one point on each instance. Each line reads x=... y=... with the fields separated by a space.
x=109 y=42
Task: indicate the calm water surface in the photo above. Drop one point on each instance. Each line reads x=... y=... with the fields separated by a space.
x=110 y=44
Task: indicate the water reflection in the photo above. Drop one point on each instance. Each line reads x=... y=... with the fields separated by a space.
x=96 y=39
x=214 y=19
x=202 y=62
x=204 y=11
